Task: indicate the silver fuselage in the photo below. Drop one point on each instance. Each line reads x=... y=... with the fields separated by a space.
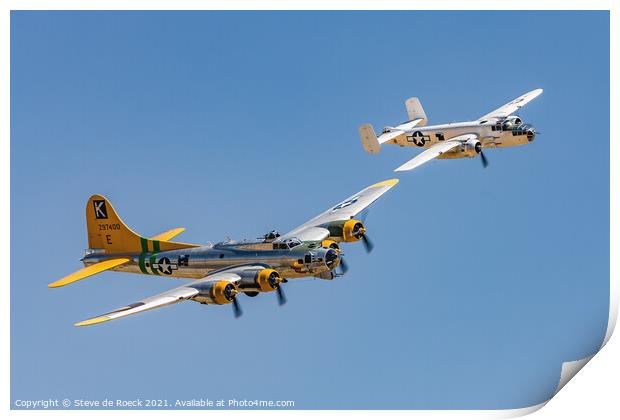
x=301 y=261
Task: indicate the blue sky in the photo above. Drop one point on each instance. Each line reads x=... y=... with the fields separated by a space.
x=481 y=284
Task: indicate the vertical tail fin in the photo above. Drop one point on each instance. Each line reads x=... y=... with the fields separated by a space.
x=415 y=111
x=107 y=231
x=369 y=139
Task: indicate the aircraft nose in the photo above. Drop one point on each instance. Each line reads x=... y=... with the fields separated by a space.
x=331 y=258
x=531 y=133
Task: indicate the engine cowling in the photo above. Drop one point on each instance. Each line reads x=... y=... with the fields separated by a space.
x=328 y=243
x=265 y=280
x=472 y=147
x=318 y=260
x=353 y=230
x=268 y=280
x=217 y=293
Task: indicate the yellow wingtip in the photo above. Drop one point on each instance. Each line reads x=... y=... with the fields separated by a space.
x=387 y=183
x=92 y=321
x=55 y=284
x=71 y=278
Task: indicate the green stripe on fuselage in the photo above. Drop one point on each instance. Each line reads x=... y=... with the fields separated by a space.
x=144 y=243
x=153 y=256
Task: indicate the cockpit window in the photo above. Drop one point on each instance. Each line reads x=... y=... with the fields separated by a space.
x=520 y=130
x=292 y=243
x=287 y=244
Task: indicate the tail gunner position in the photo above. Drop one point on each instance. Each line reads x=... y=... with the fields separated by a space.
x=222 y=270
x=499 y=128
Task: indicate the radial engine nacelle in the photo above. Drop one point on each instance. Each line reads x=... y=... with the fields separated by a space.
x=472 y=147
x=217 y=293
x=265 y=280
x=353 y=230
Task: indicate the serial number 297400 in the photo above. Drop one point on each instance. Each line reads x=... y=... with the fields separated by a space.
x=109 y=226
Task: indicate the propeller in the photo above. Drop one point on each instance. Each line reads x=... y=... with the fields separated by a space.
x=236 y=308
x=344 y=267
x=485 y=162
x=363 y=215
x=281 y=297
x=361 y=233
x=368 y=245
x=478 y=148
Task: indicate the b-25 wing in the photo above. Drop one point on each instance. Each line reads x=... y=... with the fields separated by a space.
x=512 y=106
x=432 y=152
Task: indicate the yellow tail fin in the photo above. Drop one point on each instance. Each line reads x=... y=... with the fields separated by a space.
x=107 y=231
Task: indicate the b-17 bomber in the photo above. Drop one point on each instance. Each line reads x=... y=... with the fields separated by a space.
x=221 y=272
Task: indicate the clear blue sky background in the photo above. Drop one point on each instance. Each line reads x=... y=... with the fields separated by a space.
x=481 y=284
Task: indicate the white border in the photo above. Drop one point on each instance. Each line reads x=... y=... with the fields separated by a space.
x=600 y=381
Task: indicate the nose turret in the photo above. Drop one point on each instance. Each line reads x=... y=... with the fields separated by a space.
x=525 y=130
x=529 y=131
x=332 y=259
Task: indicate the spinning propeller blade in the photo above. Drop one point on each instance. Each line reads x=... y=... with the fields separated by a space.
x=363 y=215
x=281 y=297
x=236 y=308
x=344 y=267
x=367 y=243
x=485 y=162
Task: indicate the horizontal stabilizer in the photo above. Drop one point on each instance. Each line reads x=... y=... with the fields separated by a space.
x=89 y=271
x=167 y=235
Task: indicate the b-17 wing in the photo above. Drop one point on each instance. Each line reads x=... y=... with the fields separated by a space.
x=434 y=151
x=316 y=228
x=512 y=106
x=178 y=294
